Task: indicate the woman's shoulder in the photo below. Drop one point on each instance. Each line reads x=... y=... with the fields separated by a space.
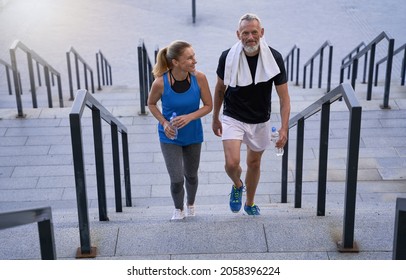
x=199 y=75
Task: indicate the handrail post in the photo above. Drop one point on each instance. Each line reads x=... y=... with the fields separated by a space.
x=354 y=72
x=99 y=160
x=299 y=163
x=46 y=239
x=58 y=78
x=116 y=167
x=323 y=158
x=48 y=85
x=142 y=71
x=284 y=176
x=77 y=70
x=371 y=71
x=399 y=239
x=98 y=72
x=194 y=10
x=311 y=74
x=321 y=67
x=403 y=69
x=32 y=80
x=103 y=69
x=80 y=183
x=297 y=66
x=388 y=74
x=126 y=163
x=69 y=75
x=85 y=78
x=330 y=65
x=354 y=134
x=10 y=92
x=17 y=87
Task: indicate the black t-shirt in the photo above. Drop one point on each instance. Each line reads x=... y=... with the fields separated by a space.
x=252 y=103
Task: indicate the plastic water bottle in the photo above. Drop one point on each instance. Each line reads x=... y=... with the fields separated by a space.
x=274 y=139
x=173 y=127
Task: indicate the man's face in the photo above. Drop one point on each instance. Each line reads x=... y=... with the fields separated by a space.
x=249 y=33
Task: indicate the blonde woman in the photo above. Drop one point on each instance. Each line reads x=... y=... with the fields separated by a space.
x=181 y=89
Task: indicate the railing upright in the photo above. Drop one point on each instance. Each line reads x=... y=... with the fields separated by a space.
x=48 y=70
x=342 y=91
x=290 y=63
x=104 y=67
x=83 y=98
x=86 y=68
x=319 y=53
x=145 y=75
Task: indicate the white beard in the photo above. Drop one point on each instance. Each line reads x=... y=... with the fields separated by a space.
x=251 y=49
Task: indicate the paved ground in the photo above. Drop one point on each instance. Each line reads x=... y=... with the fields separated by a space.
x=35 y=152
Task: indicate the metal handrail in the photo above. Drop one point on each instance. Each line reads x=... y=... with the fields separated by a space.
x=319 y=53
x=290 y=63
x=349 y=57
x=42 y=216
x=84 y=98
x=48 y=69
x=323 y=104
x=104 y=67
x=86 y=68
x=371 y=47
x=403 y=68
x=9 y=68
x=145 y=75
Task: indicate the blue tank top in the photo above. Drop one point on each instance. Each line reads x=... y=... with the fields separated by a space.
x=182 y=103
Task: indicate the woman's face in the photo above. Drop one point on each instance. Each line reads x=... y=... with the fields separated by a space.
x=187 y=61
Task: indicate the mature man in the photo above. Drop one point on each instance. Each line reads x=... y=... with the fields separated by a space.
x=245 y=75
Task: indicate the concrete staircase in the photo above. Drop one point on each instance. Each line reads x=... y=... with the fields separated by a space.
x=36 y=170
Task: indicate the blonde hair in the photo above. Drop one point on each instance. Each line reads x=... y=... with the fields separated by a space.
x=165 y=56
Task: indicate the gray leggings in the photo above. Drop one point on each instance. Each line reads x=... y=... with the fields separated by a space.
x=182 y=163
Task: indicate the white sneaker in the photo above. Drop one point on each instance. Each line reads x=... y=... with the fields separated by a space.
x=190 y=210
x=178 y=214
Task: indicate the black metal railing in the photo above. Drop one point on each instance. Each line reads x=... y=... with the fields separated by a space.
x=41 y=216
x=290 y=64
x=84 y=98
x=86 y=69
x=371 y=48
x=103 y=71
x=194 y=11
x=320 y=55
x=48 y=72
x=145 y=75
x=399 y=239
x=9 y=68
x=349 y=56
x=402 y=69
x=323 y=104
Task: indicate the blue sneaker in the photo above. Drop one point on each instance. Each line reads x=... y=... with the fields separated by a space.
x=235 y=198
x=252 y=210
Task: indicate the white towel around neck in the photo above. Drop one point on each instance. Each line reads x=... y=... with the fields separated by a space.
x=237 y=71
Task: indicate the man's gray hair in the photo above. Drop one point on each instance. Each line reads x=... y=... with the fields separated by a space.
x=249 y=17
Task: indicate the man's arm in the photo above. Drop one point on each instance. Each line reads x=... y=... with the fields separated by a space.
x=217 y=103
x=284 y=101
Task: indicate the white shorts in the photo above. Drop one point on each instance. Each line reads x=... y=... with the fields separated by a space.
x=255 y=136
